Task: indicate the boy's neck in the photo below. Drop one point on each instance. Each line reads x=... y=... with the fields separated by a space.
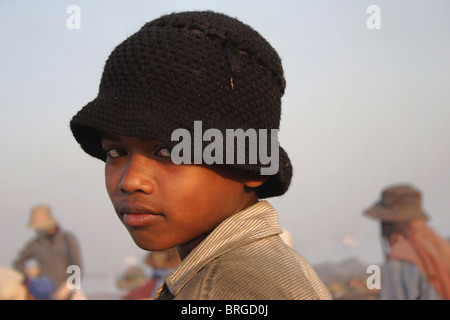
x=185 y=249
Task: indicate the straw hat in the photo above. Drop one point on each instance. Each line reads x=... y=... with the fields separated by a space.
x=398 y=203
x=166 y=259
x=41 y=218
x=134 y=277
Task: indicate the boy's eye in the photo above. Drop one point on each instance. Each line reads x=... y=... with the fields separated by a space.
x=114 y=152
x=164 y=152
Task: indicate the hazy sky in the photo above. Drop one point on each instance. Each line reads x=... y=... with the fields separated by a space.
x=364 y=109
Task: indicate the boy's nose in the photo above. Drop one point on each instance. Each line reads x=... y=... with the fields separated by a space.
x=137 y=176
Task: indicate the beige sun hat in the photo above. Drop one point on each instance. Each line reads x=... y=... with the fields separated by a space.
x=398 y=203
x=41 y=218
x=134 y=277
x=165 y=259
x=12 y=285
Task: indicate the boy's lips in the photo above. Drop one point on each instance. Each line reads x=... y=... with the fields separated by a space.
x=138 y=216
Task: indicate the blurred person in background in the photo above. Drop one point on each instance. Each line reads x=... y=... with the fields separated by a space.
x=162 y=264
x=417 y=258
x=53 y=250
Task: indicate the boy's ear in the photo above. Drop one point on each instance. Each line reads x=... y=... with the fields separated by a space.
x=255 y=181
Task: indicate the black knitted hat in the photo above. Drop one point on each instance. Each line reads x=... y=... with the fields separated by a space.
x=186 y=67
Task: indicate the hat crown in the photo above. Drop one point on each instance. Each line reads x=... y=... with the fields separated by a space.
x=401 y=196
x=195 y=66
x=41 y=218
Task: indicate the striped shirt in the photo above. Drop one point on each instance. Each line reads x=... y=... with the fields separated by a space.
x=244 y=257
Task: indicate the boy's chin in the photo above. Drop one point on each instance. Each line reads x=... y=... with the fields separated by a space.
x=146 y=244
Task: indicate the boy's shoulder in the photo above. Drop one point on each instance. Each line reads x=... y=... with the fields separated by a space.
x=264 y=269
x=265 y=258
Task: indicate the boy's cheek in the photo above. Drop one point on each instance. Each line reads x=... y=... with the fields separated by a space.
x=111 y=184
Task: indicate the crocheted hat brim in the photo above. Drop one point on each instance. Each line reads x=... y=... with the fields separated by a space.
x=88 y=135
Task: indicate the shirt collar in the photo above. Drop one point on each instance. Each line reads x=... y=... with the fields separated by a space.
x=253 y=223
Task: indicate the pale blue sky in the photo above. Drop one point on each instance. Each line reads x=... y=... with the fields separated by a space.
x=363 y=109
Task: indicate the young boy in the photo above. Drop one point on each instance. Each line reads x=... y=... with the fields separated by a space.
x=211 y=77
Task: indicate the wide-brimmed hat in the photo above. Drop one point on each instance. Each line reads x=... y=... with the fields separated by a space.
x=166 y=259
x=186 y=67
x=134 y=277
x=398 y=203
x=41 y=218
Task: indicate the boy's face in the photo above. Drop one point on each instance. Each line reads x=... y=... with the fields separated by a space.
x=164 y=205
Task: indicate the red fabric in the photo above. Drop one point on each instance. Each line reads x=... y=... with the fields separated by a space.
x=142 y=292
x=428 y=251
